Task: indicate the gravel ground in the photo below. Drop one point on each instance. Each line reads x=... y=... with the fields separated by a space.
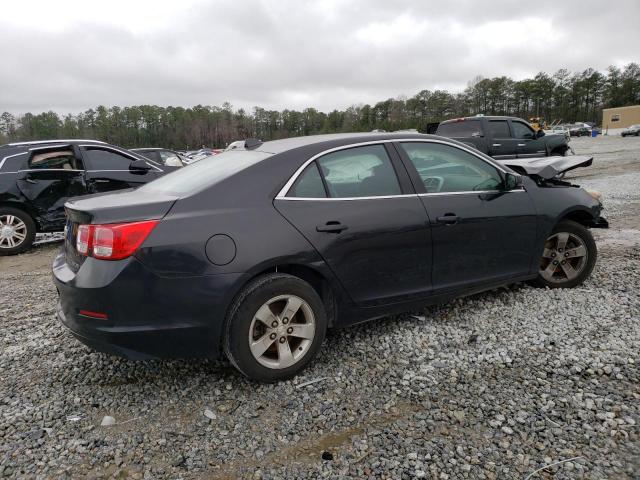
x=497 y=385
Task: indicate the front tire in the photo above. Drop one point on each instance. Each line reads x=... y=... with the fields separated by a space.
x=17 y=231
x=568 y=257
x=274 y=328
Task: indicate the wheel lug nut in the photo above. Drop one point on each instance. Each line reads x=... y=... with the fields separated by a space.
x=555 y=262
x=566 y=254
x=283 y=339
x=273 y=336
x=563 y=262
x=274 y=324
x=285 y=320
x=290 y=330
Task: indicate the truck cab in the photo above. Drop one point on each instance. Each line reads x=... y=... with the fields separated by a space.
x=503 y=137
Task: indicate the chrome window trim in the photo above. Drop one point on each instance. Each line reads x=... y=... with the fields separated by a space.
x=11 y=156
x=334 y=199
x=51 y=170
x=478 y=192
x=122 y=152
x=282 y=194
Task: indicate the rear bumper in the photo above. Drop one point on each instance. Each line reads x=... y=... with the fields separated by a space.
x=148 y=315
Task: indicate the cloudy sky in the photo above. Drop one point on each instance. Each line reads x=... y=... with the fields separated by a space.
x=69 y=55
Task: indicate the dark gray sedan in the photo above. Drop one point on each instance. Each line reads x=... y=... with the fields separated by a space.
x=256 y=252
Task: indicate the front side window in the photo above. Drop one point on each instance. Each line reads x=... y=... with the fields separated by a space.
x=444 y=168
x=100 y=159
x=359 y=172
x=60 y=160
x=308 y=184
x=499 y=129
x=520 y=130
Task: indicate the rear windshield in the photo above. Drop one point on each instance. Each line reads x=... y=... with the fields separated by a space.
x=204 y=173
x=464 y=128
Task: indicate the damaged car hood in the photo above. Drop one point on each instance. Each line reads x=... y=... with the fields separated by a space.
x=547 y=167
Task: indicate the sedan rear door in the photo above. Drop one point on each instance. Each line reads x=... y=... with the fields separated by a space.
x=365 y=221
x=108 y=169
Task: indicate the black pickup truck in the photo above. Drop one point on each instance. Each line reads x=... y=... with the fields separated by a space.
x=503 y=137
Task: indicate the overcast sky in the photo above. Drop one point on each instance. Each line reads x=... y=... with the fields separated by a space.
x=72 y=55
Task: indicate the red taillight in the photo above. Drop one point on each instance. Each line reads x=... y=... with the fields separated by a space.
x=113 y=241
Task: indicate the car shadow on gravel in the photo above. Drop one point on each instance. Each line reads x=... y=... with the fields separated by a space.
x=110 y=371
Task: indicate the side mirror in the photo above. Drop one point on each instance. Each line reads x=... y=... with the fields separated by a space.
x=512 y=181
x=139 y=166
x=540 y=133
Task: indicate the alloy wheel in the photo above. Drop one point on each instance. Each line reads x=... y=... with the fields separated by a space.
x=282 y=331
x=564 y=257
x=13 y=231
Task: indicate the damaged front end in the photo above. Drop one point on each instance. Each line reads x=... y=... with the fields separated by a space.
x=547 y=168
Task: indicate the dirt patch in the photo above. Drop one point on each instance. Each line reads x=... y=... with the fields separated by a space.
x=38 y=259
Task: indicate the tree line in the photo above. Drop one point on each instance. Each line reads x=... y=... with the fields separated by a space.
x=563 y=96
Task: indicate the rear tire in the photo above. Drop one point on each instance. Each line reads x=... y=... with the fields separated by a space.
x=274 y=327
x=17 y=231
x=568 y=257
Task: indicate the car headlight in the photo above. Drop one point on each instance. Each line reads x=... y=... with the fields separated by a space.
x=594 y=194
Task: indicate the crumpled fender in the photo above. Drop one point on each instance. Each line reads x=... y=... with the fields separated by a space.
x=547 y=167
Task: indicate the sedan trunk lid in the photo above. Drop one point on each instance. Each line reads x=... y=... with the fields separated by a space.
x=121 y=207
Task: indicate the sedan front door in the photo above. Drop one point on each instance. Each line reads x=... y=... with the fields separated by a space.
x=480 y=232
x=370 y=231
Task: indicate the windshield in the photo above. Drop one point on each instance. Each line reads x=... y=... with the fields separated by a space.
x=205 y=173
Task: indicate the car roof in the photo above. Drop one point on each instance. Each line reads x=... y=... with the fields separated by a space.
x=44 y=142
x=490 y=117
x=286 y=144
x=145 y=149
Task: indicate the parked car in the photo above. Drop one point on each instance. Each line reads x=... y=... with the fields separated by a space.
x=559 y=130
x=580 y=131
x=632 y=130
x=163 y=156
x=257 y=252
x=37 y=178
x=503 y=137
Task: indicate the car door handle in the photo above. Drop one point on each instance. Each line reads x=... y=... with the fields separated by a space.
x=448 y=219
x=522 y=144
x=31 y=180
x=331 y=227
x=496 y=145
x=100 y=180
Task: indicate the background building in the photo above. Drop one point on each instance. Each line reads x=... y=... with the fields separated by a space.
x=614 y=119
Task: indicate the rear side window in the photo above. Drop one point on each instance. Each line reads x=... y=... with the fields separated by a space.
x=359 y=172
x=463 y=128
x=499 y=129
x=60 y=160
x=99 y=159
x=308 y=184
